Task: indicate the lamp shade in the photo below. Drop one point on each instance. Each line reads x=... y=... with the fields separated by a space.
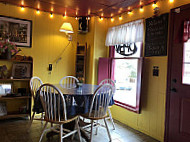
x=67 y=28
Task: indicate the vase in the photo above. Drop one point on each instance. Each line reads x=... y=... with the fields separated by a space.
x=8 y=55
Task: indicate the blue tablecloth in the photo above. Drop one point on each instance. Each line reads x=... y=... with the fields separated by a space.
x=78 y=100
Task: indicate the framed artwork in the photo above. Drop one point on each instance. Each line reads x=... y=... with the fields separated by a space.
x=5 y=88
x=18 y=31
x=21 y=71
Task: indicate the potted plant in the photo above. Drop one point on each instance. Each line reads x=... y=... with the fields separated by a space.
x=7 y=49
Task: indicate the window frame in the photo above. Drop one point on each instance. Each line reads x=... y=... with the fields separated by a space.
x=139 y=83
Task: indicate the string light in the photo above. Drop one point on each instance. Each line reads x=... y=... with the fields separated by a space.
x=88 y=17
x=120 y=18
x=154 y=4
x=141 y=9
x=38 y=11
x=171 y=1
x=112 y=19
x=51 y=15
x=130 y=12
x=101 y=18
x=76 y=18
x=22 y=8
x=64 y=16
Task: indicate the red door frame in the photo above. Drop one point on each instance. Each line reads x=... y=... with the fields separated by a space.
x=171 y=31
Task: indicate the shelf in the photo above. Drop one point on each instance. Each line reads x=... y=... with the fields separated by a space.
x=79 y=73
x=14 y=115
x=80 y=54
x=80 y=64
x=15 y=79
x=10 y=98
x=20 y=61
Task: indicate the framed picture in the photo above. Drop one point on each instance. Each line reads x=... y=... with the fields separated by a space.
x=18 y=31
x=5 y=88
x=21 y=71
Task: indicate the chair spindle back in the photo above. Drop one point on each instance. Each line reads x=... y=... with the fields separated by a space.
x=69 y=82
x=53 y=103
x=100 y=101
x=35 y=83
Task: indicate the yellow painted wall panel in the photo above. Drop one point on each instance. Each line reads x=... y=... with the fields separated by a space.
x=152 y=117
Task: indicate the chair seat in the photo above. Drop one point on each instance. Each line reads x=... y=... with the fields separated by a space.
x=86 y=115
x=62 y=121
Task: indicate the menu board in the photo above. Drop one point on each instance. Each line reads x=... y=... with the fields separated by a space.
x=156 y=36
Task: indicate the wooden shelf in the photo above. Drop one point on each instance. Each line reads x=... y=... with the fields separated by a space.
x=80 y=54
x=20 y=61
x=15 y=104
x=10 y=98
x=14 y=79
x=80 y=64
x=14 y=115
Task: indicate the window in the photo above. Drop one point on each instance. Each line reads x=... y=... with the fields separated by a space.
x=186 y=63
x=127 y=76
x=126 y=62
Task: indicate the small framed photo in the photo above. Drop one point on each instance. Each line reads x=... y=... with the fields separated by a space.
x=21 y=71
x=5 y=88
x=18 y=31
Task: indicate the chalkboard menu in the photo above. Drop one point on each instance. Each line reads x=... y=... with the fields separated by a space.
x=156 y=36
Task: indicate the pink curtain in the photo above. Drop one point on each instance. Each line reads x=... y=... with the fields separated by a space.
x=186 y=31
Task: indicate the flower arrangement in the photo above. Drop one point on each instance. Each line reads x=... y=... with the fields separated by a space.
x=7 y=46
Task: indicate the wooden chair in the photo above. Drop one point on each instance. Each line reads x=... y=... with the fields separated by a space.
x=35 y=83
x=110 y=81
x=54 y=105
x=99 y=107
x=69 y=82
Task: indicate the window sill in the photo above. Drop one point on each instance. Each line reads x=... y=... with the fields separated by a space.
x=125 y=106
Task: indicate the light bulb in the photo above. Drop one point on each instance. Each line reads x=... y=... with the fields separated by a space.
x=171 y=1
x=112 y=19
x=51 y=15
x=141 y=9
x=22 y=8
x=154 y=4
x=120 y=18
x=38 y=11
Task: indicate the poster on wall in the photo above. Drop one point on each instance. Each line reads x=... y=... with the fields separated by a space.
x=156 y=36
x=18 y=31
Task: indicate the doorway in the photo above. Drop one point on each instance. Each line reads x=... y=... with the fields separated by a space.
x=178 y=81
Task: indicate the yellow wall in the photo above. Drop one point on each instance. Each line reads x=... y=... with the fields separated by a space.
x=152 y=117
x=47 y=43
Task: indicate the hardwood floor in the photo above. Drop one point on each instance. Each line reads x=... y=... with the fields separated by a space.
x=15 y=130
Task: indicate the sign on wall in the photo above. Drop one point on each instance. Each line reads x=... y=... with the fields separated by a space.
x=156 y=36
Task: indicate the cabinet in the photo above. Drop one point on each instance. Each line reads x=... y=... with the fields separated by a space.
x=81 y=62
x=17 y=102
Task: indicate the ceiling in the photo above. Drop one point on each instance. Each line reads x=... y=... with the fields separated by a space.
x=105 y=8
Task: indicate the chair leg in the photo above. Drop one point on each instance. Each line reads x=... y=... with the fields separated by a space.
x=78 y=129
x=61 y=133
x=31 y=121
x=96 y=127
x=43 y=131
x=42 y=117
x=107 y=129
x=111 y=118
x=92 y=124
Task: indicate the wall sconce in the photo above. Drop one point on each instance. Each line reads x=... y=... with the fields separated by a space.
x=68 y=29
